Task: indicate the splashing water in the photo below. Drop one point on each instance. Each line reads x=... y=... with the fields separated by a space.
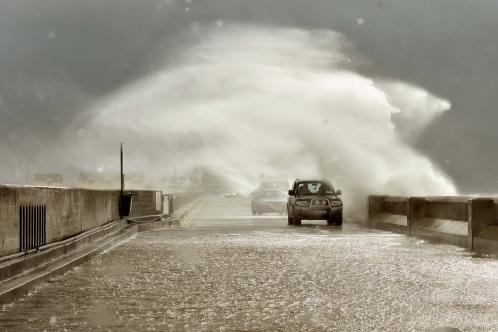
x=247 y=99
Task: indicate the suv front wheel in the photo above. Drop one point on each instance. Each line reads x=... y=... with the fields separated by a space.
x=336 y=219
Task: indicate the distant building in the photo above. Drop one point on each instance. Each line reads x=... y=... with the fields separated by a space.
x=106 y=180
x=99 y=180
x=48 y=179
x=201 y=179
x=134 y=181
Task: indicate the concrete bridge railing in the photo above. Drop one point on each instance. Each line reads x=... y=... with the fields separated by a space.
x=36 y=216
x=467 y=222
x=175 y=201
x=45 y=231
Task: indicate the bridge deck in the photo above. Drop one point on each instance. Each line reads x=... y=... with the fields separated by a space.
x=226 y=269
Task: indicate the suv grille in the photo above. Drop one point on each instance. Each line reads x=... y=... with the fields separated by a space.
x=320 y=202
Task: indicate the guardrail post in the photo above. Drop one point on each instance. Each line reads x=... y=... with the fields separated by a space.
x=481 y=215
x=374 y=207
x=416 y=211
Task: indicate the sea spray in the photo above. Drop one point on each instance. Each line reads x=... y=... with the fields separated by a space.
x=243 y=99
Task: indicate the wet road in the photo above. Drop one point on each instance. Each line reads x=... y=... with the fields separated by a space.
x=226 y=270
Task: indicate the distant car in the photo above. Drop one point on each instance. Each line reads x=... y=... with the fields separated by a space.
x=268 y=201
x=230 y=194
x=311 y=200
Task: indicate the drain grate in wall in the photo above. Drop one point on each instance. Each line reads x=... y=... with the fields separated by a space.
x=32 y=226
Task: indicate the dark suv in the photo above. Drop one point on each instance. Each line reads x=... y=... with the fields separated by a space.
x=268 y=201
x=311 y=200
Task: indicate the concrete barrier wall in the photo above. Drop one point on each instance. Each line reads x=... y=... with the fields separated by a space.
x=69 y=211
x=483 y=225
x=441 y=219
x=146 y=202
x=463 y=221
x=388 y=213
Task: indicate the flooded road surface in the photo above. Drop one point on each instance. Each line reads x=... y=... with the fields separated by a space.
x=226 y=270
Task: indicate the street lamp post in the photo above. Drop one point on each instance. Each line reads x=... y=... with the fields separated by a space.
x=121 y=200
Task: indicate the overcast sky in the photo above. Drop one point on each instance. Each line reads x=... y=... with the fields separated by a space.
x=59 y=56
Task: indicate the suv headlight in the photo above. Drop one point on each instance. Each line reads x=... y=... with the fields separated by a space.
x=302 y=203
x=335 y=203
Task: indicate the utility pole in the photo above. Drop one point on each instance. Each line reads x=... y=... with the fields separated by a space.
x=121 y=202
x=122 y=170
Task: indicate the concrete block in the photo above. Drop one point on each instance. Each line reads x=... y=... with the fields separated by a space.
x=441 y=230
x=442 y=208
x=416 y=211
x=481 y=218
x=374 y=207
x=390 y=222
x=487 y=240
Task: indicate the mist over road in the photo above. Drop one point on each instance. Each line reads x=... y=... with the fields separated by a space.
x=225 y=269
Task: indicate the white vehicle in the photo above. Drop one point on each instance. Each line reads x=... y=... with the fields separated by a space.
x=230 y=194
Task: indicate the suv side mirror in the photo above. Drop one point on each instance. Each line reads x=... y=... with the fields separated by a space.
x=291 y=192
x=338 y=192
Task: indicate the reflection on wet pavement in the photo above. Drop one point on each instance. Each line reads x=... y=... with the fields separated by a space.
x=228 y=271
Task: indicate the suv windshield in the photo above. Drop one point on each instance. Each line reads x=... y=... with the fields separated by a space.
x=314 y=187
